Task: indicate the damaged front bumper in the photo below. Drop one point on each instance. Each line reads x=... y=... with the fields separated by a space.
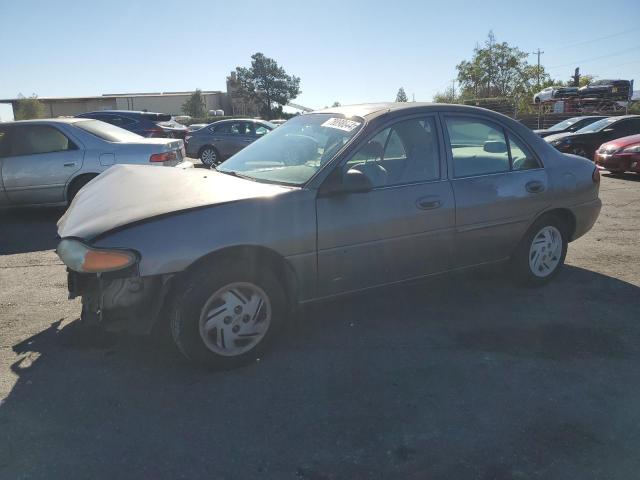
x=117 y=303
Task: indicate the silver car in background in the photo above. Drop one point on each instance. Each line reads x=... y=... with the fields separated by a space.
x=331 y=202
x=218 y=141
x=46 y=162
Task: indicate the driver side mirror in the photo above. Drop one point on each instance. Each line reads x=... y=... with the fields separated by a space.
x=353 y=181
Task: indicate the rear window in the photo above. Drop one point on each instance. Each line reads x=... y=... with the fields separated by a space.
x=156 y=117
x=106 y=131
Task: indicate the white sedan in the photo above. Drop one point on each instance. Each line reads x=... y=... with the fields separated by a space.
x=46 y=162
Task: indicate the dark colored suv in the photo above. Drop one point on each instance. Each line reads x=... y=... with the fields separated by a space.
x=611 y=89
x=147 y=124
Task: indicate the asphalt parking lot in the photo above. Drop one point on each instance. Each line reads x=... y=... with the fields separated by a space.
x=458 y=377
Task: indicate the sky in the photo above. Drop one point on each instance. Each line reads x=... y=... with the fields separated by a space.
x=348 y=51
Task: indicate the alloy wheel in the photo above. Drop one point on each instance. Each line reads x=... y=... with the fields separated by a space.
x=208 y=156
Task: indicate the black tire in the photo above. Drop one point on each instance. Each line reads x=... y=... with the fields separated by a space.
x=520 y=260
x=193 y=295
x=76 y=185
x=209 y=156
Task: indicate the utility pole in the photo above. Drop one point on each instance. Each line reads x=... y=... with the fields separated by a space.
x=538 y=52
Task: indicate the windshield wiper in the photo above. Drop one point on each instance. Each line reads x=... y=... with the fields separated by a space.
x=234 y=174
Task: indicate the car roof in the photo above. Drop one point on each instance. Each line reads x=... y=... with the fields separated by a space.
x=225 y=120
x=373 y=110
x=124 y=112
x=622 y=117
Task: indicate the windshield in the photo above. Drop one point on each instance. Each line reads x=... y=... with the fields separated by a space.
x=564 y=125
x=597 y=126
x=292 y=153
x=106 y=131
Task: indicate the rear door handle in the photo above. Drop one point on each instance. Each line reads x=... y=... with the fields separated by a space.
x=70 y=164
x=428 y=203
x=534 y=186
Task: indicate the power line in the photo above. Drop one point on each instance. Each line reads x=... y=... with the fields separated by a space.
x=585 y=60
x=585 y=42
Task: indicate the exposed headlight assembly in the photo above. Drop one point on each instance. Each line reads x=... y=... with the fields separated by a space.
x=84 y=259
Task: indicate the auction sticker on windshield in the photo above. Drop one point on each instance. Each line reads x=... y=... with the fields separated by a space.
x=341 y=124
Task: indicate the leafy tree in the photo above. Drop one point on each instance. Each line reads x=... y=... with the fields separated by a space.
x=401 y=96
x=499 y=70
x=448 y=96
x=266 y=83
x=27 y=108
x=336 y=104
x=195 y=105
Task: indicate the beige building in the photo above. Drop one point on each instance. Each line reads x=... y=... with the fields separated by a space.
x=164 y=102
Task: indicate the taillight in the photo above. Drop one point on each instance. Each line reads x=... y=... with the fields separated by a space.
x=163 y=157
x=595 y=176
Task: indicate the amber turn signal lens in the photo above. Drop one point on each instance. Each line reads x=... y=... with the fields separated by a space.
x=106 y=261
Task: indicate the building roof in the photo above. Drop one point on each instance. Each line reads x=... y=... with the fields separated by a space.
x=113 y=95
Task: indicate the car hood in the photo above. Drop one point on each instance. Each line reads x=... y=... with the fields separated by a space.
x=544 y=131
x=621 y=142
x=126 y=194
x=559 y=136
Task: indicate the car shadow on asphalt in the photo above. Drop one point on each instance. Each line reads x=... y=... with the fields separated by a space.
x=464 y=376
x=633 y=177
x=26 y=230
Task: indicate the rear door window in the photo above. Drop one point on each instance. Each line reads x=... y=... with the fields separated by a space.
x=478 y=147
x=261 y=130
x=521 y=156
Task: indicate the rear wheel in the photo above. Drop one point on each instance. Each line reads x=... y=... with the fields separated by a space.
x=226 y=316
x=76 y=185
x=542 y=251
x=209 y=156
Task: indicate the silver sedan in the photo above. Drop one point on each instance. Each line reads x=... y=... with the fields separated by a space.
x=46 y=162
x=331 y=202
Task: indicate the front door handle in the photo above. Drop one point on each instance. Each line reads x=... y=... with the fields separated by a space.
x=247 y=140
x=428 y=203
x=70 y=164
x=534 y=186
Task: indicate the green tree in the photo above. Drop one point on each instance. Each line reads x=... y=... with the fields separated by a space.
x=336 y=104
x=195 y=106
x=266 y=84
x=448 y=96
x=27 y=108
x=499 y=70
x=401 y=96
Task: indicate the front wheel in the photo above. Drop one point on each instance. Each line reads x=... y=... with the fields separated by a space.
x=541 y=254
x=226 y=316
x=209 y=157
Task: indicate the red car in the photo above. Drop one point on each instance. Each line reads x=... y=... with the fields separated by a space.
x=620 y=155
